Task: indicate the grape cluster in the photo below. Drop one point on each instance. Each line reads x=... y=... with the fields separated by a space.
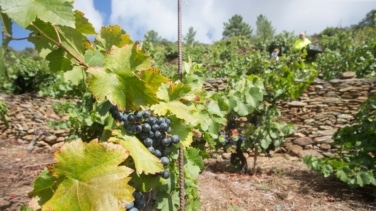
x=152 y=131
x=138 y=203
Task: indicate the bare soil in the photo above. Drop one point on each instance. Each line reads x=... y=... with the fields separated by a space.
x=281 y=183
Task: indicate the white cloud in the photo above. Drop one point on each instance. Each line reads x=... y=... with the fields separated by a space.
x=207 y=16
x=87 y=7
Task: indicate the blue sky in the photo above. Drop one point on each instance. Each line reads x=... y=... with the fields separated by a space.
x=137 y=17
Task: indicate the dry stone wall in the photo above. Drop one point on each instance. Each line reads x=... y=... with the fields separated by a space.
x=323 y=108
x=28 y=119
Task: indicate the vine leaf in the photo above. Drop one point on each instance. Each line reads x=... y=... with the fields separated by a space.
x=49 y=36
x=88 y=172
x=145 y=162
x=178 y=109
x=82 y=24
x=25 y=12
x=44 y=186
x=119 y=80
x=112 y=36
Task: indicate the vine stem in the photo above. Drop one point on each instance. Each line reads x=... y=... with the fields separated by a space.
x=181 y=150
x=59 y=44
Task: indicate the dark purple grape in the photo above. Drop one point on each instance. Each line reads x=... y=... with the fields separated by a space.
x=163 y=127
x=157 y=134
x=160 y=120
x=165 y=174
x=146 y=127
x=151 y=120
x=165 y=161
x=124 y=117
x=175 y=139
x=131 y=118
x=148 y=142
x=155 y=127
x=139 y=115
x=157 y=153
x=138 y=129
x=168 y=121
x=151 y=134
x=146 y=114
x=151 y=149
x=166 y=141
x=138 y=195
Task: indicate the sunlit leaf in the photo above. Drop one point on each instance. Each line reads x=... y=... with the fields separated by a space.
x=145 y=162
x=76 y=75
x=120 y=81
x=112 y=36
x=94 y=58
x=82 y=23
x=24 y=12
x=90 y=172
x=177 y=108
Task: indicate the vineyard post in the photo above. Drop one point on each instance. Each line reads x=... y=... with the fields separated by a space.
x=181 y=151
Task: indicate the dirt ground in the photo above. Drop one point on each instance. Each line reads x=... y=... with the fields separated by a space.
x=282 y=183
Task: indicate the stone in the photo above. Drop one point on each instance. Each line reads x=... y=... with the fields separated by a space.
x=60 y=139
x=56 y=146
x=327 y=154
x=310 y=152
x=347 y=75
x=20 y=116
x=28 y=137
x=293 y=149
x=303 y=141
x=297 y=103
x=325 y=147
x=38 y=115
x=52 y=139
x=327 y=132
x=323 y=139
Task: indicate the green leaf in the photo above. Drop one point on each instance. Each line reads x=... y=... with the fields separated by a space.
x=89 y=172
x=94 y=58
x=44 y=186
x=183 y=131
x=168 y=201
x=76 y=75
x=59 y=12
x=214 y=108
x=364 y=178
x=145 y=162
x=119 y=81
x=153 y=78
x=193 y=155
x=112 y=36
x=82 y=23
x=342 y=175
x=49 y=36
x=60 y=59
x=126 y=60
x=176 y=108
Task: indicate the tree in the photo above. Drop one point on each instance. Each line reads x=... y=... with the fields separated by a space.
x=264 y=29
x=152 y=36
x=369 y=20
x=190 y=36
x=236 y=27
